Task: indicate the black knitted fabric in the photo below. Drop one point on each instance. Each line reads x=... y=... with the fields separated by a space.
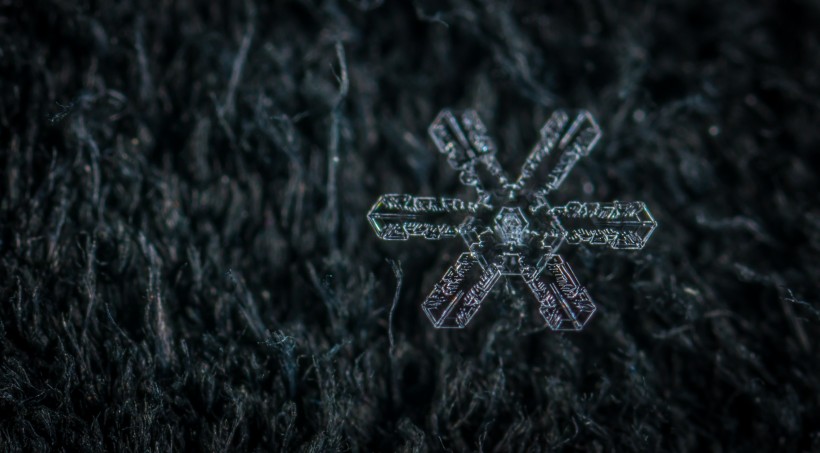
x=186 y=262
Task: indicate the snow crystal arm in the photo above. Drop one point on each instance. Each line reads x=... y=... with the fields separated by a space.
x=562 y=144
x=398 y=217
x=564 y=303
x=458 y=295
x=619 y=225
x=464 y=139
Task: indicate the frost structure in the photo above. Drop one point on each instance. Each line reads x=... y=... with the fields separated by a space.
x=511 y=229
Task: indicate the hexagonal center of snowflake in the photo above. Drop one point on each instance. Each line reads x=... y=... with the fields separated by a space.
x=510 y=226
x=509 y=230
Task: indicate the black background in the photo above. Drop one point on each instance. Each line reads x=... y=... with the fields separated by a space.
x=185 y=266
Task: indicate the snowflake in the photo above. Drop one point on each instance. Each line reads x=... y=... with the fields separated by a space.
x=511 y=229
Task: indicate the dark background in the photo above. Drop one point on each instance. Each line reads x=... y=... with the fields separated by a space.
x=185 y=265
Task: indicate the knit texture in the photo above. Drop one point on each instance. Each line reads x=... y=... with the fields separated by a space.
x=186 y=262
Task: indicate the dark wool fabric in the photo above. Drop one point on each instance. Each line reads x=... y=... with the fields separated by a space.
x=186 y=262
